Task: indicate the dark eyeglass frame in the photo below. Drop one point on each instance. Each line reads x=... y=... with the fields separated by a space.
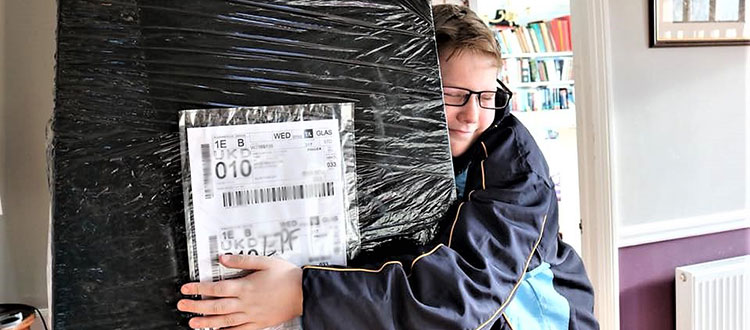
x=501 y=90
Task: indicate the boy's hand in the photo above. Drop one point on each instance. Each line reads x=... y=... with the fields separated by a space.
x=269 y=296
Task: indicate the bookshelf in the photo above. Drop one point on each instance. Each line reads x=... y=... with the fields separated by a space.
x=538 y=63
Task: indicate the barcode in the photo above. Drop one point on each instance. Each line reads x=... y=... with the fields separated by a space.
x=195 y=273
x=277 y=194
x=206 y=160
x=213 y=251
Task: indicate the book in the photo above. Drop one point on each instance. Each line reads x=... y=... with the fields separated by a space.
x=501 y=41
x=537 y=69
x=551 y=36
x=519 y=33
x=559 y=35
x=542 y=99
x=537 y=37
x=525 y=70
x=567 y=73
x=542 y=70
x=538 y=97
x=515 y=43
x=559 y=69
x=548 y=45
x=563 y=94
x=555 y=30
x=538 y=34
x=530 y=101
x=533 y=71
x=549 y=64
x=566 y=33
x=533 y=47
x=555 y=100
x=511 y=69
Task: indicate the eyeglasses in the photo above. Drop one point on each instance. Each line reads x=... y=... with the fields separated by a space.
x=491 y=100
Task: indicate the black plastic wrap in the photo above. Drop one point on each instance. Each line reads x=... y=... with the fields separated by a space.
x=124 y=70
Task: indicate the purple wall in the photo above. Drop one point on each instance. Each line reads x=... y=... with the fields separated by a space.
x=647 y=275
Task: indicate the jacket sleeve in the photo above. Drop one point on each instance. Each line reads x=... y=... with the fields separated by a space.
x=464 y=282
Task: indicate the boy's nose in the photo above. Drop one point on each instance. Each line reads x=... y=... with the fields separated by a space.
x=470 y=111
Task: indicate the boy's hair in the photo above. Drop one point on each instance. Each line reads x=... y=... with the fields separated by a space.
x=458 y=28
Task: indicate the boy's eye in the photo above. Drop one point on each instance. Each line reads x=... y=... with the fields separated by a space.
x=454 y=92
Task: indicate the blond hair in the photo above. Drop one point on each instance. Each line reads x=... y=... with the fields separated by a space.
x=458 y=28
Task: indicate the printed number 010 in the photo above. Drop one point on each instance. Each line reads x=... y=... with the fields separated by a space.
x=222 y=168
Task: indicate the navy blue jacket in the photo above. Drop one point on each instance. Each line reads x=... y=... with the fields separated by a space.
x=498 y=263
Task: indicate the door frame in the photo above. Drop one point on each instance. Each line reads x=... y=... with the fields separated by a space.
x=594 y=126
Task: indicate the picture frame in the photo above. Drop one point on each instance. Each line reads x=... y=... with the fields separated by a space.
x=681 y=23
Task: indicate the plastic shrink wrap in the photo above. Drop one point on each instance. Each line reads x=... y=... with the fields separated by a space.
x=126 y=68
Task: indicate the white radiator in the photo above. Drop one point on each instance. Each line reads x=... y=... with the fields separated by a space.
x=714 y=295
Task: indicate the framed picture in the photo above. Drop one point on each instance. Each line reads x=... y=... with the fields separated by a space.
x=698 y=23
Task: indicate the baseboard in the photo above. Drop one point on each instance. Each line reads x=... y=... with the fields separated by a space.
x=631 y=235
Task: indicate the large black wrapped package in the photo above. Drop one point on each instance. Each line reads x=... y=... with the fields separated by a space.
x=124 y=70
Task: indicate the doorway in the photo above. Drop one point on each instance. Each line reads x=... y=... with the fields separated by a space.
x=535 y=39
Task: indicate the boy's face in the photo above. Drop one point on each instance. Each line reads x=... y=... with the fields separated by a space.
x=477 y=72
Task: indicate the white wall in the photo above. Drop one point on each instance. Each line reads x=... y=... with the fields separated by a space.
x=680 y=126
x=27 y=87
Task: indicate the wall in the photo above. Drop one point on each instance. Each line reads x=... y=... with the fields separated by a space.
x=28 y=63
x=680 y=161
x=680 y=122
x=647 y=299
x=6 y=290
x=527 y=11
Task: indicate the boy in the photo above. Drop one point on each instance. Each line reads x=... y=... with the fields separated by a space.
x=498 y=263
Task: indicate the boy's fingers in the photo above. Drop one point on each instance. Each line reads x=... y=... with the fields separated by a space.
x=226 y=288
x=210 y=307
x=219 y=321
x=245 y=262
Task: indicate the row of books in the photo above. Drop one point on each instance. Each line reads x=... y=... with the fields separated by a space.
x=536 y=70
x=541 y=99
x=536 y=37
